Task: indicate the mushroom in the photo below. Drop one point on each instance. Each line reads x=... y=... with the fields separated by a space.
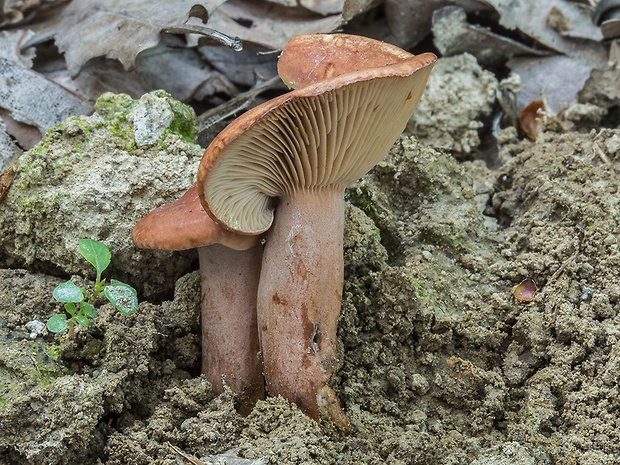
x=229 y=274
x=295 y=154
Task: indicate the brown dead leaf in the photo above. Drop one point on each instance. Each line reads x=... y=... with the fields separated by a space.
x=410 y=20
x=322 y=7
x=602 y=87
x=269 y=24
x=353 y=8
x=118 y=29
x=25 y=135
x=525 y=291
x=99 y=75
x=241 y=67
x=558 y=79
x=452 y=35
x=171 y=66
x=29 y=96
x=34 y=99
x=9 y=151
x=529 y=117
x=183 y=73
x=6 y=178
x=532 y=18
x=12 y=47
x=557 y=21
x=13 y=11
x=607 y=16
x=14 y=135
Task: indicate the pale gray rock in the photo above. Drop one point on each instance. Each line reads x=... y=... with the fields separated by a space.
x=95 y=177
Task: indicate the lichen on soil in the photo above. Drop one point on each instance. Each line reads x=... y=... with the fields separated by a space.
x=438 y=363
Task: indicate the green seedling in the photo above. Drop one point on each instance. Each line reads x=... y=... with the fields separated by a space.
x=80 y=303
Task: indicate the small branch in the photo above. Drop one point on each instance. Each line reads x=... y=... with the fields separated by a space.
x=234 y=105
x=234 y=43
x=191 y=459
x=581 y=236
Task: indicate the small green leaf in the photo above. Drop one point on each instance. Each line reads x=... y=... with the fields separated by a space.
x=122 y=296
x=82 y=319
x=96 y=253
x=68 y=292
x=70 y=308
x=88 y=310
x=57 y=323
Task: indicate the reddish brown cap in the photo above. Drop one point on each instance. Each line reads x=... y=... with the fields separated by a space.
x=307 y=59
x=184 y=224
x=326 y=132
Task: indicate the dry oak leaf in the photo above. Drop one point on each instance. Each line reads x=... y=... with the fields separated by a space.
x=269 y=24
x=118 y=29
x=19 y=83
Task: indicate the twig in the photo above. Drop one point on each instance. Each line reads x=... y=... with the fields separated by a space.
x=189 y=458
x=234 y=43
x=234 y=105
x=581 y=236
x=597 y=150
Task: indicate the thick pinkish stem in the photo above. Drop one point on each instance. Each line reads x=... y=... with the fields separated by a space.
x=229 y=330
x=299 y=297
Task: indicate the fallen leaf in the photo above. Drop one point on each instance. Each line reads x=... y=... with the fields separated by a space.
x=602 y=87
x=6 y=178
x=611 y=29
x=8 y=148
x=34 y=99
x=269 y=24
x=411 y=20
x=558 y=79
x=29 y=96
x=15 y=135
x=98 y=76
x=532 y=16
x=25 y=135
x=118 y=29
x=323 y=7
x=453 y=35
x=183 y=73
x=557 y=21
x=525 y=291
x=529 y=118
x=353 y=8
x=241 y=67
x=607 y=16
x=171 y=66
x=12 y=47
x=13 y=11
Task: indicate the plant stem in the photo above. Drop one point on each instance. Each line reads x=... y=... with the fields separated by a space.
x=70 y=325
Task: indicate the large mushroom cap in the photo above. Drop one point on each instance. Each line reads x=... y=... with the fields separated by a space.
x=326 y=132
x=183 y=224
x=307 y=59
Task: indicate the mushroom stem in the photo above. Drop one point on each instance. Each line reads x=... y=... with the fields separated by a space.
x=230 y=348
x=299 y=297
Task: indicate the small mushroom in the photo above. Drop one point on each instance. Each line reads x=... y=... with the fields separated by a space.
x=294 y=155
x=229 y=273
